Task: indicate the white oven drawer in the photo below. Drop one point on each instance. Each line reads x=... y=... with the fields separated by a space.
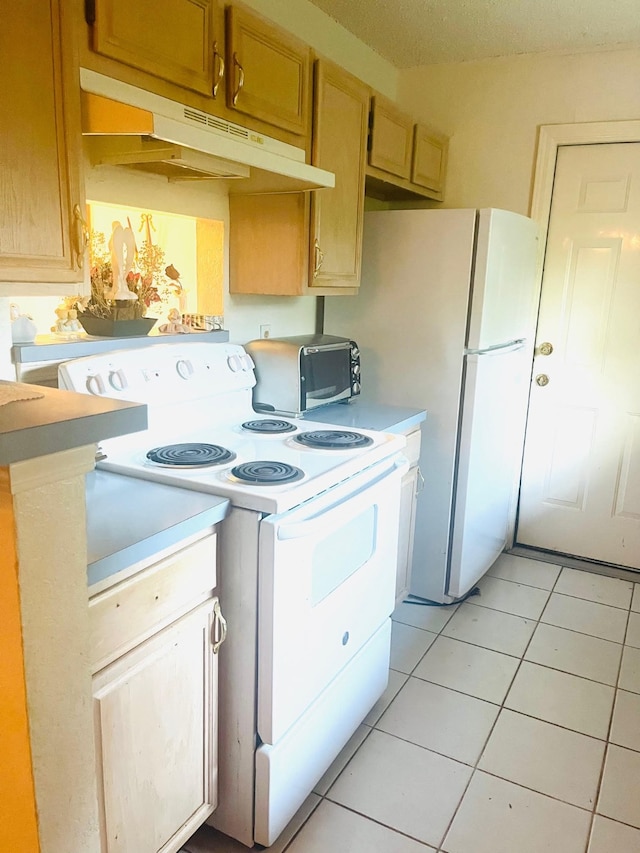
x=326 y=584
x=286 y=772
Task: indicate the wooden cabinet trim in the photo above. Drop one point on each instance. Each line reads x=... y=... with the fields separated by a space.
x=112 y=39
x=288 y=110
x=391 y=143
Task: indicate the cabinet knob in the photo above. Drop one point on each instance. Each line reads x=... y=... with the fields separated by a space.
x=542 y=379
x=236 y=94
x=545 y=348
x=218 y=68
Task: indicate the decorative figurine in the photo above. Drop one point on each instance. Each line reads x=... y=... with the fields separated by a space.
x=174 y=326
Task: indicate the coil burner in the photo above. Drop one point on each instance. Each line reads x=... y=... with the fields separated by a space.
x=269 y=426
x=330 y=439
x=266 y=473
x=190 y=455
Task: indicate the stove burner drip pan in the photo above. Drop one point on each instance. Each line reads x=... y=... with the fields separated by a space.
x=269 y=426
x=266 y=473
x=333 y=439
x=190 y=455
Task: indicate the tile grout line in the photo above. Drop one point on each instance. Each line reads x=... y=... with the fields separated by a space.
x=495 y=722
x=598 y=790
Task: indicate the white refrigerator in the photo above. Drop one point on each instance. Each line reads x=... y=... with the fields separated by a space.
x=445 y=321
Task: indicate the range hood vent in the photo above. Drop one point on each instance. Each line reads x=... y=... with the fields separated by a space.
x=131 y=127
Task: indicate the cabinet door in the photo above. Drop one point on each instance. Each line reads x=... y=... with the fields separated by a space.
x=40 y=154
x=156 y=738
x=341 y=110
x=268 y=72
x=429 y=160
x=391 y=138
x=176 y=40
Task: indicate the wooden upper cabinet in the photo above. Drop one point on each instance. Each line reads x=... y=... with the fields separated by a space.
x=391 y=138
x=429 y=160
x=341 y=110
x=41 y=238
x=268 y=72
x=181 y=41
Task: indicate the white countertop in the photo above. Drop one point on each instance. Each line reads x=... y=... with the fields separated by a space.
x=129 y=520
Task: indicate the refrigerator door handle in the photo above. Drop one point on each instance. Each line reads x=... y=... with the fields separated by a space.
x=498 y=349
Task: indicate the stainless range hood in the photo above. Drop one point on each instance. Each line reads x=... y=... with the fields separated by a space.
x=131 y=127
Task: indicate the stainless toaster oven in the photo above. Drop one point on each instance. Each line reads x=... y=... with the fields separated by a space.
x=297 y=374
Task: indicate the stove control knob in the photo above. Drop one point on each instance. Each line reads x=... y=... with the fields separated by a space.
x=118 y=380
x=185 y=368
x=95 y=384
x=234 y=363
x=248 y=362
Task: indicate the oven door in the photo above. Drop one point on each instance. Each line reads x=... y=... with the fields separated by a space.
x=326 y=584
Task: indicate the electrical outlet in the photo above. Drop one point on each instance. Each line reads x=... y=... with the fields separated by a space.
x=265 y=330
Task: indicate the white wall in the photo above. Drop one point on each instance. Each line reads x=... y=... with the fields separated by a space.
x=491 y=110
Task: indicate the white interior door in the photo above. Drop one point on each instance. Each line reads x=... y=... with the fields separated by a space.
x=580 y=490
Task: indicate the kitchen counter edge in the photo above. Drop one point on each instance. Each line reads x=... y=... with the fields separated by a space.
x=131 y=520
x=61 y=420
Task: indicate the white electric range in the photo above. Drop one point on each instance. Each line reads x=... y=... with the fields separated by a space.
x=308 y=560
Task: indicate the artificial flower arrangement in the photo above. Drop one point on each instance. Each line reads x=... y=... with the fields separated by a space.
x=125 y=280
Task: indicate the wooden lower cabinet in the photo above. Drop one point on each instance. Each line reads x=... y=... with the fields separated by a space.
x=156 y=738
x=296 y=244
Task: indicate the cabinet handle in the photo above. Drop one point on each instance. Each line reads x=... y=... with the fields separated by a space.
x=82 y=235
x=240 y=79
x=318 y=259
x=219 y=632
x=218 y=60
x=419 y=481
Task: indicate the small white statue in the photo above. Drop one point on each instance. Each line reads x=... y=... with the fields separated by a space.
x=123 y=251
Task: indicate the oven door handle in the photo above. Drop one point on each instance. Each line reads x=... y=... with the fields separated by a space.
x=315 y=524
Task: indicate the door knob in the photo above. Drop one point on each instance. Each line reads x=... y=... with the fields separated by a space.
x=542 y=379
x=545 y=349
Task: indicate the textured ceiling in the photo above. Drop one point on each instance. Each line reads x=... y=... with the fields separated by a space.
x=419 y=32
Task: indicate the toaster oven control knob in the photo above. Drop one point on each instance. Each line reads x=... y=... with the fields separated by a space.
x=356 y=369
x=248 y=362
x=95 y=384
x=118 y=380
x=234 y=363
x=355 y=351
x=355 y=387
x=185 y=368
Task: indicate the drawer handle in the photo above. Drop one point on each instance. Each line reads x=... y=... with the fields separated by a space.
x=318 y=260
x=82 y=235
x=219 y=632
x=240 y=79
x=218 y=61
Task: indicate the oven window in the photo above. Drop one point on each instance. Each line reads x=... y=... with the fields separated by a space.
x=341 y=553
x=328 y=373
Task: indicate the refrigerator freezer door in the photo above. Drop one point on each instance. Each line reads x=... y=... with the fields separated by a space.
x=492 y=429
x=502 y=303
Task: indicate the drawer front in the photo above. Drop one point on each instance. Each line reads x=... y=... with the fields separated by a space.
x=412 y=450
x=131 y=611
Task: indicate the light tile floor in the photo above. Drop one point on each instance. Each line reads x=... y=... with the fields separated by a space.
x=510 y=723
